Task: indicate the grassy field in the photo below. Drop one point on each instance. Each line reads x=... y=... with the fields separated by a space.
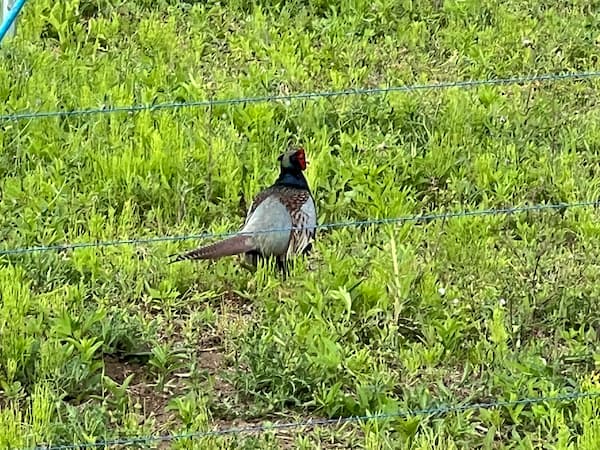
x=107 y=342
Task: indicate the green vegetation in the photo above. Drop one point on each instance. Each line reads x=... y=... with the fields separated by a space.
x=106 y=342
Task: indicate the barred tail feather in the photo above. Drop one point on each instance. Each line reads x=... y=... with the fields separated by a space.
x=228 y=247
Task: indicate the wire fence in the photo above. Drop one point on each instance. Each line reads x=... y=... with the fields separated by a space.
x=263 y=428
x=577 y=76
x=354 y=223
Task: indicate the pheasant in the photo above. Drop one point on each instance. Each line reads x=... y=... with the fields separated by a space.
x=286 y=211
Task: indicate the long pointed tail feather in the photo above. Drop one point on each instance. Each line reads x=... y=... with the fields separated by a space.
x=228 y=247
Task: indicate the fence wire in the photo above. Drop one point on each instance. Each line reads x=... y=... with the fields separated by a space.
x=355 y=223
x=263 y=428
x=31 y=115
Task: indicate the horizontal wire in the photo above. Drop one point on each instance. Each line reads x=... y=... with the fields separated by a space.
x=299 y=96
x=357 y=223
x=440 y=410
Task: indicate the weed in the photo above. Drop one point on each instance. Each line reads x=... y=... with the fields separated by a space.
x=378 y=318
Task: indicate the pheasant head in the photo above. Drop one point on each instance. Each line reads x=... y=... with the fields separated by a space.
x=293 y=159
x=292 y=164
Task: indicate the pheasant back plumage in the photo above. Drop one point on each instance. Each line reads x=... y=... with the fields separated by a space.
x=300 y=206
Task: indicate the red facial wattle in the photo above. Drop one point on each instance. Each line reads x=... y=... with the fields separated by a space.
x=301 y=158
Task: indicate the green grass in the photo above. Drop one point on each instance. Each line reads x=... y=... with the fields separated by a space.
x=106 y=342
